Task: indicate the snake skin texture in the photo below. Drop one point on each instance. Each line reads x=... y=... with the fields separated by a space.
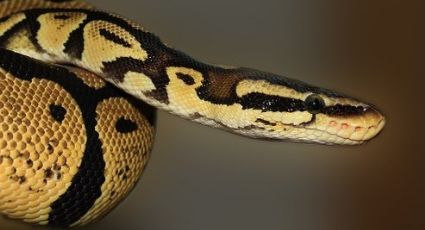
x=78 y=92
x=72 y=146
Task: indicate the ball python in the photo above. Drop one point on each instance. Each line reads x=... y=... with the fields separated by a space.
x=78 y=88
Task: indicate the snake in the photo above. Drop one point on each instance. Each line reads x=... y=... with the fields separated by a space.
x=79 y=89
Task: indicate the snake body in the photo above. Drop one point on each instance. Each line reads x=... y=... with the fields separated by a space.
x=75 y=135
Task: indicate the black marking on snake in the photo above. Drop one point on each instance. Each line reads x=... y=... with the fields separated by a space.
x=48 y=173
x=62 y=16
x=187 y=79
x=3 y=19
x=30 y=163
x=125 y=126
x=266 y=102
x=33 y=26
x=22 y=179
x=271 y=103
x=344 y=110
x=114 y=38
x=50 y=149
x=74 y=47
x=86 y=184
x=13 y=30
x=251 y=127
x=259 y=120
x=58 y=112
x=30 y=24
x=313 y=119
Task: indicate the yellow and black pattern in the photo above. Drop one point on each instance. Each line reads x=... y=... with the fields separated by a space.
x=264 y=105
x=107 y=135
x=72 y=147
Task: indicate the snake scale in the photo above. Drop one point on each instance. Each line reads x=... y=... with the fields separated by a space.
x=78 y=87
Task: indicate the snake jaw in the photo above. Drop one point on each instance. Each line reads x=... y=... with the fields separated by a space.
x=374 y=122
x=352 y=129
x=321 y=129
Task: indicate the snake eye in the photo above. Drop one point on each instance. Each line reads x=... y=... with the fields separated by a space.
x=314 y=103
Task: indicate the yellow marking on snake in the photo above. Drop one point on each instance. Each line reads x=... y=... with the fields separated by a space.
x=98 y=49
x=10 y=23
x=61 y=28
x=246 y=87
x=89 y=78
x=22 y=43
x=138 y=81
x=35 y=174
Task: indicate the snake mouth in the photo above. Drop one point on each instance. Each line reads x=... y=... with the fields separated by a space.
x=353 y=130
x=323 y=129
x=359 y=135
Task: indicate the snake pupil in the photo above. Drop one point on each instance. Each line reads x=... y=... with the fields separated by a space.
x=314 y=104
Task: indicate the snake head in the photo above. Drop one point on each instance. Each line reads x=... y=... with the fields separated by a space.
x=318 y=118
x=295 y=111
x=267 y=106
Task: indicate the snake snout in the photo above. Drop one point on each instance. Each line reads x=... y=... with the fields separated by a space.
x=374 y=122
x=358 y=128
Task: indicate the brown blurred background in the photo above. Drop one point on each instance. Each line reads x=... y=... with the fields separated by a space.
x=201 y=178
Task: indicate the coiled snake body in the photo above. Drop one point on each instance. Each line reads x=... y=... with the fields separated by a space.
x=72 y=145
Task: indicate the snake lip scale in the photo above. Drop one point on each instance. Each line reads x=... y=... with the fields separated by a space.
x=78 y=93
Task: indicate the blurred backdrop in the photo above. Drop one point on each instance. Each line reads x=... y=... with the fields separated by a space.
x=201 y=178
